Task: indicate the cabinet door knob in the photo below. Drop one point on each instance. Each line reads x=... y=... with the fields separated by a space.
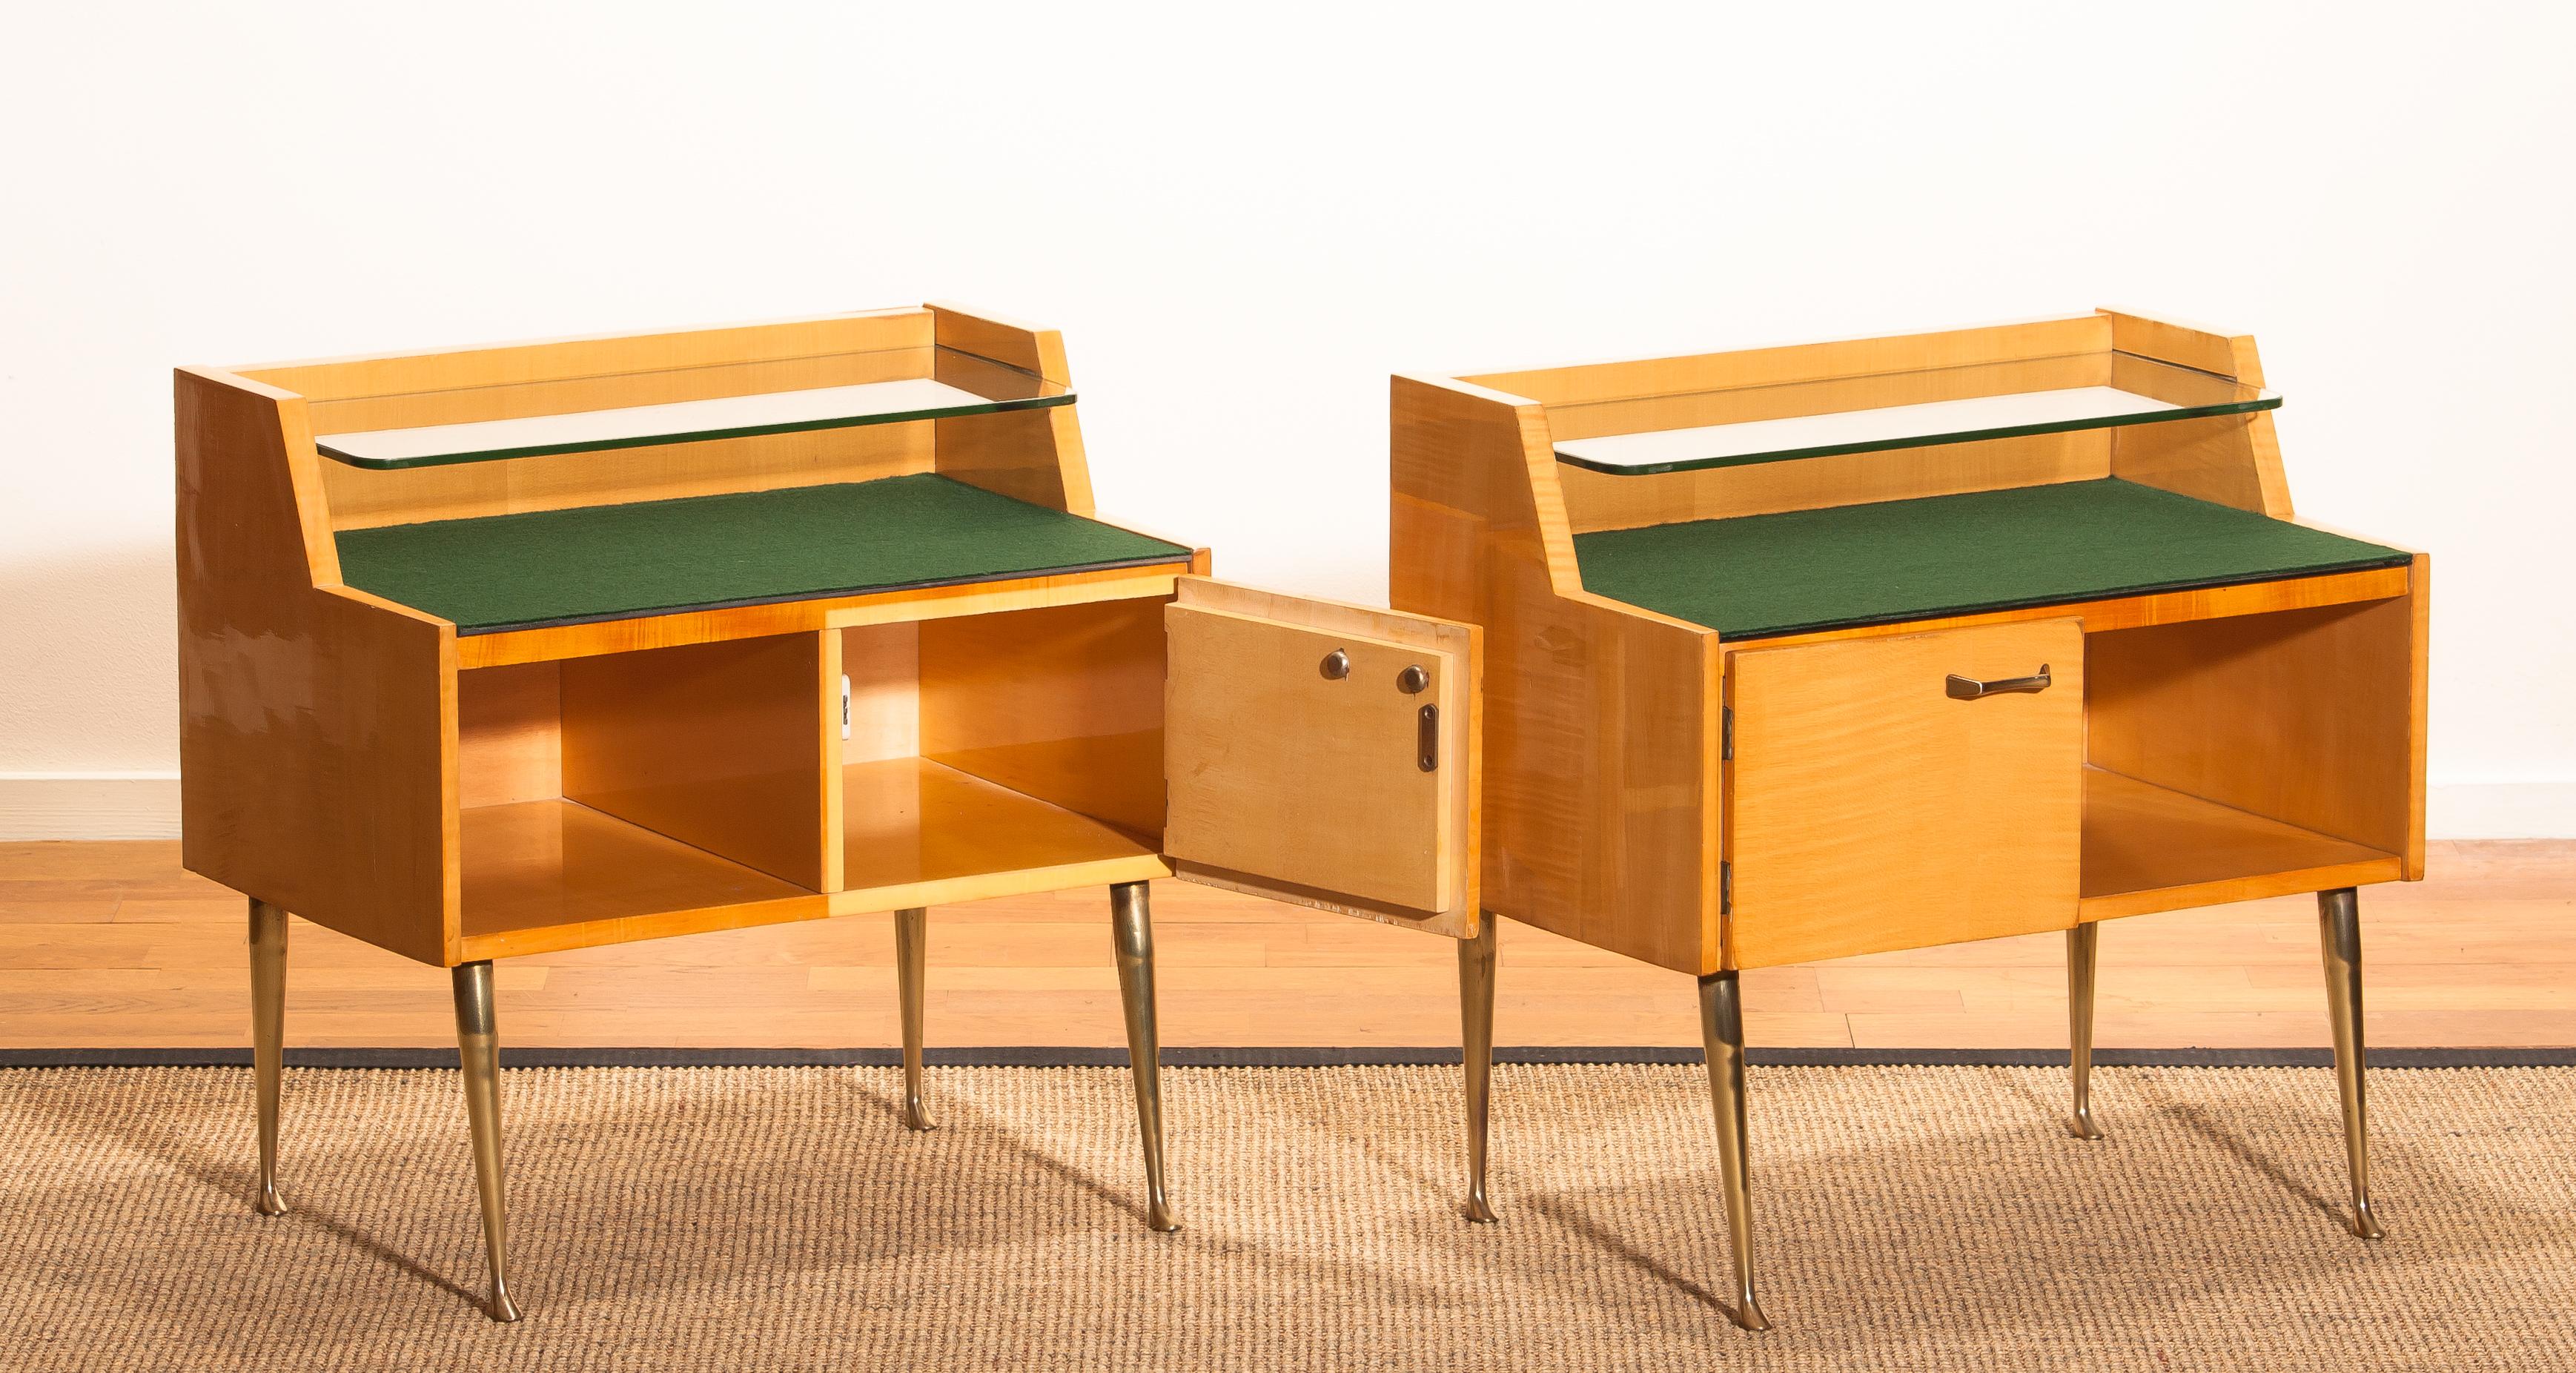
x=1969 y=688
x=1336 y=666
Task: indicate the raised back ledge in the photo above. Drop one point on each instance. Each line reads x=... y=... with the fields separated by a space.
x=1033 y=455
x=2233 y=460
x=597 y=355
x=1780 y=364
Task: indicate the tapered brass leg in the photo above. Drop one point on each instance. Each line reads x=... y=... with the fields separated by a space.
x=267 y=1038
x=2339 y=931
x=1131 y=927
x=1721 y=1028
x=478 y=1051
x=912 y=962
x=1476 y=1036
x=2082 y=942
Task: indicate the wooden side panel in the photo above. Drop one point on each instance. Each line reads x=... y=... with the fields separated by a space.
x=883 y=663
x=1869 y=810
x=2230 y=459
x=509 y=734
x=1803 y=363
x=1006 y=341
x=1600 y=500
x=1601 y=800
x=2184 y=345
x=720 y=746
x=1063 y=704
x=1311 y=787
x=1027 y=455
x=2311 y=717
x=317 y=735
x=1030 y=455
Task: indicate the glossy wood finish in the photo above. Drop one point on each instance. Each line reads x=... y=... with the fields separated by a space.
x=509 y=734
x=1802 y=363
x=2233 y=460
x=317 y=735
x=340 y=750
x=717 y=745
x=1269 y=760
x=512 y=381
x=920 y=833
x=2152 y=848
x=1600 y=807
x=1034 y=456
x=1603 y=795
x=2211 y=708
x=541 y=875
x=1062 y=704
x=1867 y=810
x=1598 y=500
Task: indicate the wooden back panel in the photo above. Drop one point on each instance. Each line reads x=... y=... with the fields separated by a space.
x=2230 y=459
x=1034 y=456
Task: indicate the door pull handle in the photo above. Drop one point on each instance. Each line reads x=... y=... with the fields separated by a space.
x=1969 y=688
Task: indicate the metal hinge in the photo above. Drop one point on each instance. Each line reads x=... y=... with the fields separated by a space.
x=1725 y=888
x=1726 y=733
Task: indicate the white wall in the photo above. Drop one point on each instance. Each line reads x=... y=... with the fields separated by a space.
x=1244 y=220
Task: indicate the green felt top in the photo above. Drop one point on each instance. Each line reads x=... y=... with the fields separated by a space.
x=616 y=562
x=1804 y=570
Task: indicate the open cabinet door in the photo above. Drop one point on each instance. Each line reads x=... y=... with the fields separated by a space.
x=1323 y=754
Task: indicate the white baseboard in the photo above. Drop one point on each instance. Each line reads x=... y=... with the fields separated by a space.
x=145 y=805
x=89 y=805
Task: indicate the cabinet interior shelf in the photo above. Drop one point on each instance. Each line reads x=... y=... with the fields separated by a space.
x=916 y=832
x=957 y=384
x=1814 y=419
x=2151 y=848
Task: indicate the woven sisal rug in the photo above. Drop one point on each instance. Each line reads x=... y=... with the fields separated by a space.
x=780 y=1218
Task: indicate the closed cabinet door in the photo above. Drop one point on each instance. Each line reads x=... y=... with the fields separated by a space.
x=1322 y=754
x=1889 y=793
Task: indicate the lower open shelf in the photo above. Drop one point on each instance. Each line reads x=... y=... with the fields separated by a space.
x=556 y=874
x=2150 y=848
x=920 y=833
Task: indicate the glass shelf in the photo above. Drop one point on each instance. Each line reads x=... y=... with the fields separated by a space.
x=960 y=384
x=1895 y=410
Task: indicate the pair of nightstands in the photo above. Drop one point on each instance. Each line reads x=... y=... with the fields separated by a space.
x=1719 y=662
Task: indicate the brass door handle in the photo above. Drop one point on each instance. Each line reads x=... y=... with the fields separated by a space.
x=1969 y=688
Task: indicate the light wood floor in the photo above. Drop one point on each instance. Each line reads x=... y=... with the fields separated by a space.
x=110 y=944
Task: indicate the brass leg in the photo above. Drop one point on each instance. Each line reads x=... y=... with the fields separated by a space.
x=2082 y=942
x=1476 y=1036
x=478 y=1051
x=1132 y=931
x=1721 y=1028
x=911 y=962
x=2339 y=931
x=267 y=1038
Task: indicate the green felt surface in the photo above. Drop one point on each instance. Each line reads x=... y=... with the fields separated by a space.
x=617 y=562
x=1805 y=570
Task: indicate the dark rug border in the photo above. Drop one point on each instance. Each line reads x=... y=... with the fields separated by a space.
x=1073 y=1057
